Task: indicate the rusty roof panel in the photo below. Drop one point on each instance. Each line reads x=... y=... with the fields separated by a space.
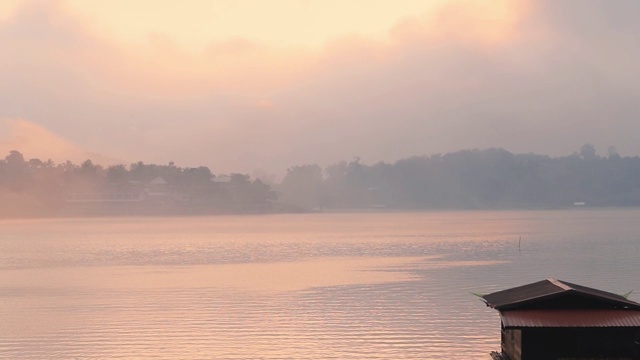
x=570 y=318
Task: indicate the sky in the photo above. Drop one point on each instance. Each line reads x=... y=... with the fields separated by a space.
x=245 y=86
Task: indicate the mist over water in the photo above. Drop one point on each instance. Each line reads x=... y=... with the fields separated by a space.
x=313 y=286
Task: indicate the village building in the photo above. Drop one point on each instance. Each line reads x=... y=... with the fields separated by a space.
x=129 y=197
x=157 y=187
x=557 y=320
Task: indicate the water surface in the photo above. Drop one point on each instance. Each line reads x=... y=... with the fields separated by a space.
x=312 y=286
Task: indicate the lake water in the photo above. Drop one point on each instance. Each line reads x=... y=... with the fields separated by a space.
x=307 y=286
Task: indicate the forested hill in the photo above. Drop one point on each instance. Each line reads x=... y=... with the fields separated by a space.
x=470 y=179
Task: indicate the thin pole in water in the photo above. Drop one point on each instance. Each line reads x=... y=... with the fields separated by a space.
x=519 y=242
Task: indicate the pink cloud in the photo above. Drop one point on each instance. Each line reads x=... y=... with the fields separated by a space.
x=35 y=141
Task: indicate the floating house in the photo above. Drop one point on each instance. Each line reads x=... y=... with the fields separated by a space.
x=557 y=320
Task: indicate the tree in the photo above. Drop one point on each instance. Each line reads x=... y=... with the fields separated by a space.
x=200 y=176
x=261 y=195
x=612 y=153
x=117 y=174
x=88 y=168
x=15 y=159
x=17 y=177
x=588 y=152
x=303 y=186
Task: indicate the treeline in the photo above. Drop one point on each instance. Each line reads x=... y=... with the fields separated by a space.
x=470 y=179
x=40 y=188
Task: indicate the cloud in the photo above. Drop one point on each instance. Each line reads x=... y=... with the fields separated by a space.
x=34 y=141
x=541 y=76
x=265 y=104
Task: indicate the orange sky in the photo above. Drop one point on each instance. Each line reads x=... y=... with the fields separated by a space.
x=194 y=24
x=257 y=46
x=222 y=83
x=282 y=23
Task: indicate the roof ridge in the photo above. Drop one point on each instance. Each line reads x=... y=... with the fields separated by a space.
x=549 y=289
x=560 y=284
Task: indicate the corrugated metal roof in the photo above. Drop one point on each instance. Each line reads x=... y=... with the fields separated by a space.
x=570 y=318
x=522 y=296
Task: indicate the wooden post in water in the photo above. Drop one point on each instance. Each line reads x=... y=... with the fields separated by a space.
x=519 y=242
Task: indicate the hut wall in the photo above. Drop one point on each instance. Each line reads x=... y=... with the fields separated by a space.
x=580 y=343
x=512 y=343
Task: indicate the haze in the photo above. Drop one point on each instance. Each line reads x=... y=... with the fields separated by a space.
x=244 y=85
